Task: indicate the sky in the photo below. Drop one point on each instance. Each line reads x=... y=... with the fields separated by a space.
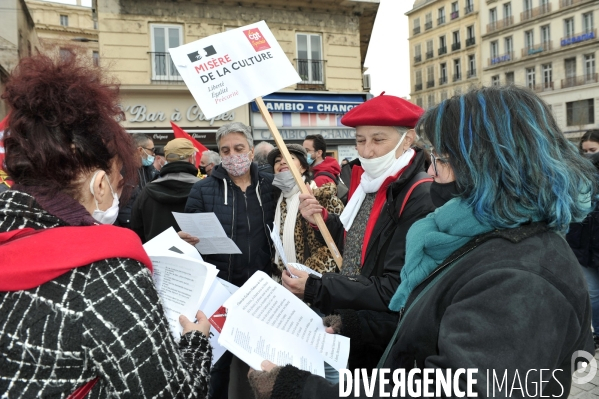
x=388 y=57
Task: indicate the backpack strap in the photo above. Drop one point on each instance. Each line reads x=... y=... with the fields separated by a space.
x=421 y=177
x=327 y=174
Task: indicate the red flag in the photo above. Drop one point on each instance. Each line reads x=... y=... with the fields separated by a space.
x=182 y=134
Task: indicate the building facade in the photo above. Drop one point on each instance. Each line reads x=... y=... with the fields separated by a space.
x=551 y=47
x=444 y=49
x=326 y=41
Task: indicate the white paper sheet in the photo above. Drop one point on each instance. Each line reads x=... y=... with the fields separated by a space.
x=254 y=341
x=276 y=240
x=304 y=268
x=182 y=284
x=207 y=227
x=170 y=240
x=268 y=301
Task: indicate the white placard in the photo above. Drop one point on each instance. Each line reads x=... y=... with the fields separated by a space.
x=230 y=69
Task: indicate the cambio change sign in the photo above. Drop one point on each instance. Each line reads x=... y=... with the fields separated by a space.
x=230 y=69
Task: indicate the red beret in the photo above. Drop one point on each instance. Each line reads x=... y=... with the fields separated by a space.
x=383 y=111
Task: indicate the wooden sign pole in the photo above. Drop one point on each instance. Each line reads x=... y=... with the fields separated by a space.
x=298 y=179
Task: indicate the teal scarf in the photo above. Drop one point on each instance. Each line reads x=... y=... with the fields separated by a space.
x=431 y=240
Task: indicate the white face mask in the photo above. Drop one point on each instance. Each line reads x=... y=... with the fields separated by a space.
x=375 y=167
x=109 y=215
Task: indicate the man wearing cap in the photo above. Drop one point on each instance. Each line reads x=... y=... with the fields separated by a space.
x=152 y=210
x=388 y=192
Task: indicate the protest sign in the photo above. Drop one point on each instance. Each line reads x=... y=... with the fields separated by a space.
x=229 y=69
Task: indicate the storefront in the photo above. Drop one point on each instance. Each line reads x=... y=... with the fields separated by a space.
x=298 y=115
x=151 y=113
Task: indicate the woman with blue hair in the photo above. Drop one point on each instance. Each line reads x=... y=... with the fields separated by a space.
x=489 y=282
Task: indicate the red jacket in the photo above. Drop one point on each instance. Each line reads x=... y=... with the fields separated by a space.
x=330 y=165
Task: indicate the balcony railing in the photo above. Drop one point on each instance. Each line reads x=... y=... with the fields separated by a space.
x=579 y=80
x=457 y=76
x=418 y=87
x=428 y=25
x=535 y=12
x=536 y=49
x=417 y=59
x=543 y=86
x=429 y=54
x=163 y=69
x=430 y=83
x=580 y=37
x=469 y=9
x=312 y=74
x=455 y=15
x=470 y=41
x=440 y=20
x=442 y=50
x=568 y=3
x=496 y=25
x=416 y=30
x=442 y=80
x=471 y=74
x=456 y=46
x=501 y=58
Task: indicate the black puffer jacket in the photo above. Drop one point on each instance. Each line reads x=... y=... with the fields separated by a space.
x=244 y=217
x=145 y=174
x=516 y=302
x=385 y=254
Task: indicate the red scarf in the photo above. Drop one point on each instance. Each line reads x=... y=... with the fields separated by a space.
x=30 y=258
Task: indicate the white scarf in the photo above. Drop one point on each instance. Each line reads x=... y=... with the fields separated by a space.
x=369 y=185
x=292 y=200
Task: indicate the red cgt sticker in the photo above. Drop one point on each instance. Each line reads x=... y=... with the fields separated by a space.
x=256 y=38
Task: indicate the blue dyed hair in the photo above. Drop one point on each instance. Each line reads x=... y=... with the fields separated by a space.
x=511 y=162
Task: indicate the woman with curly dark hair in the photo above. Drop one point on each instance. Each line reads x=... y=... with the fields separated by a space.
x=79 y=313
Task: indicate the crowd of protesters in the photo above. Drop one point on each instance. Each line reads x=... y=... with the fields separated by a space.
x=476 y=250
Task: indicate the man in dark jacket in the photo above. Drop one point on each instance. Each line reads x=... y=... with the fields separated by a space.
x=147 y=173
x=241 y=197
x=152 y=212
x=325 y=169
x=374 y=247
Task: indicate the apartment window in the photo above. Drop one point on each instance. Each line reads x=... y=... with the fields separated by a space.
x=309 y=58
x=493 y=15
x=95 y=24
x=96 y=58
x=455 y=13
x=587 y=22
x=509 y=78
x=507 y=10
x=416 y=26
x=569 y=27
x=457 y=69
x=547 y=76
x=64 y=20
x=527 y=5
x=529 y=39
x=471 y=66
x=509 y=45
x=163 y=38
x=456 y=40
x=580 y=112
x=530 y=78
x=441 y=19
x=419 y=102
x=429 y=49
x=431 y=100
x=545 y=34
x=428 y=21
x=469 y=7
x=442 y=45
x=495 y=80
x=570 y=66
x=443 y=73
x=470 y=35
x=589 y=66
x=430 y=76
x=418 y=80
x=494 y=49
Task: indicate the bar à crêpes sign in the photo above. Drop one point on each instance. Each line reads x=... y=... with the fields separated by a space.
x=140 y=113
x=230 y=69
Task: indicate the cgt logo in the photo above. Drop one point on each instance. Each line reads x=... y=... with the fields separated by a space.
x=256 y=39
x=580 y=361
x=196 y=56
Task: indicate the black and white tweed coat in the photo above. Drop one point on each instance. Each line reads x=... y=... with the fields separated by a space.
x=104 y=319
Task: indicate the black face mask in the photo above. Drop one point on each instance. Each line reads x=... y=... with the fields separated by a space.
x=203 y=170
x=441 y=193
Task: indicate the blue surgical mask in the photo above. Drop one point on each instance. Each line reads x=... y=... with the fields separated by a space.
x=149 y=160
x=309 y=159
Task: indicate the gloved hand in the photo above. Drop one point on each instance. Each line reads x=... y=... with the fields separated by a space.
x=263 y=382
x=332 y=323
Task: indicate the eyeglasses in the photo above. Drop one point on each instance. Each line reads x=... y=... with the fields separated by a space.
x=434 y=160
x=152 y=150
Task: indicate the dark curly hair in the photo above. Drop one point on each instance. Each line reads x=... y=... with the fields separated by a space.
x=63 y=122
